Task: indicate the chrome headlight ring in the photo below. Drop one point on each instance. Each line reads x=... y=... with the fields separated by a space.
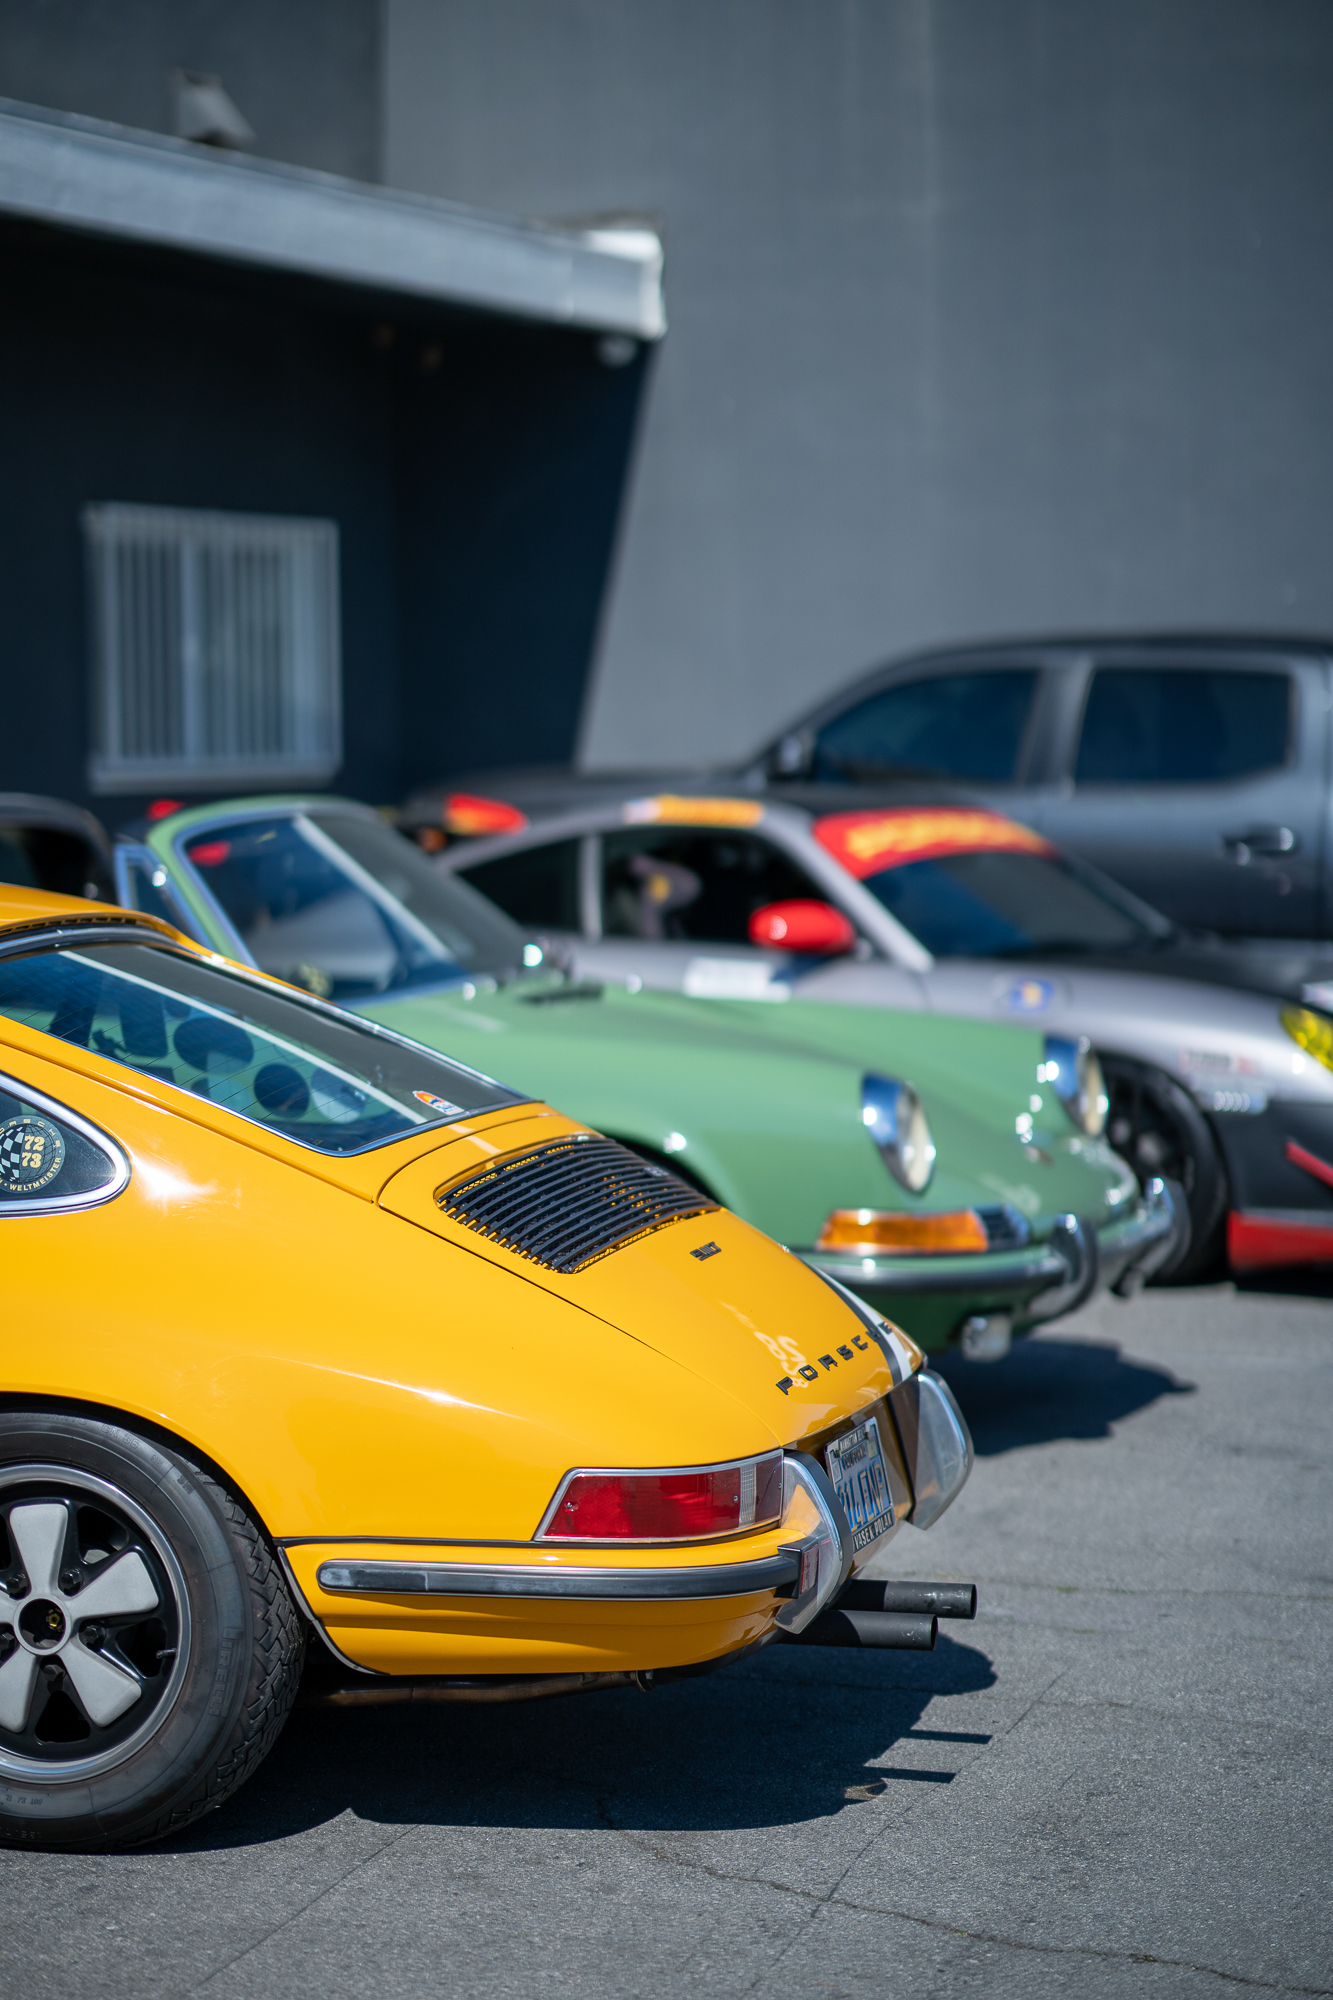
x=895 y=1118
x=1073 y=1072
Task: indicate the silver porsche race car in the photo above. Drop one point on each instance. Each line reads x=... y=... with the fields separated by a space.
x=1214 y=1084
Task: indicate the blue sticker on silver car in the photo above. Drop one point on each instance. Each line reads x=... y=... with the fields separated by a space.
x=1029 y=996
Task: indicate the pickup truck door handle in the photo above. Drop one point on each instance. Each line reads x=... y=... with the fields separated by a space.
x=1260 y=841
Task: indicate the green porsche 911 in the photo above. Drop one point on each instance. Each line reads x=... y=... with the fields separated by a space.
x=951 y=1173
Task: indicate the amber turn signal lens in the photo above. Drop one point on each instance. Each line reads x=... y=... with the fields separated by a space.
x=871 y=1229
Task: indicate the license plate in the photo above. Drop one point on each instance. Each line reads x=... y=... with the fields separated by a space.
x=856 y=1467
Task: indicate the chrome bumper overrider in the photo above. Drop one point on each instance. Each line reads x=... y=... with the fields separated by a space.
x=1119 y=1256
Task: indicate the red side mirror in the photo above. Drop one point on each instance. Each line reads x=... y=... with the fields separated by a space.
x=803 y=925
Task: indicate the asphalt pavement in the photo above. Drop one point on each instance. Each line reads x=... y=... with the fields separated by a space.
x=1114 y=1782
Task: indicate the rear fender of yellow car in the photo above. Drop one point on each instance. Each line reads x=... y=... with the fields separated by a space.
x=353 y=1374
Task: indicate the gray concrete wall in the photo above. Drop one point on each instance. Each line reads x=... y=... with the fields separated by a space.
x=304 y=73
x=985 y=318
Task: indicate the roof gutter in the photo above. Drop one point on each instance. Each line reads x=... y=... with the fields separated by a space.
x=81 y=173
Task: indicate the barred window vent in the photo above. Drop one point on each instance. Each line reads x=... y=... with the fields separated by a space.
x=215 y=648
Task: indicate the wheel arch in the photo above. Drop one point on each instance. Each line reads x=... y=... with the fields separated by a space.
x=14 y=1402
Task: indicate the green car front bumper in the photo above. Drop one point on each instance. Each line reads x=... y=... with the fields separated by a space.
x=931 y=1297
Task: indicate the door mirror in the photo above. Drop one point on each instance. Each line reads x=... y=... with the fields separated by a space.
x=803 y=925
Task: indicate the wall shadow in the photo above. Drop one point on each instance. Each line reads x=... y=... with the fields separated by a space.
x=1045 y=1390
x=782 y=1737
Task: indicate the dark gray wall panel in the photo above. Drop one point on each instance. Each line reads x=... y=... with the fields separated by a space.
x=304 y=73
x=474 y=467
x=153 y=379
x=984 y=318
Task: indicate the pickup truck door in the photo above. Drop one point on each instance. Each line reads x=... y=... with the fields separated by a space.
x=1199 y=781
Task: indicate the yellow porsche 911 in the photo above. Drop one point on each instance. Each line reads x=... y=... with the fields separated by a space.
x=314 y=1335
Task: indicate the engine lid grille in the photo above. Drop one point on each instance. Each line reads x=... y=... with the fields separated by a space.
x=571 y=1201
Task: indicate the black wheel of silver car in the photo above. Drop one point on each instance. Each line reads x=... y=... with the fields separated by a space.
x=1158 y=1128
x=149 y=1647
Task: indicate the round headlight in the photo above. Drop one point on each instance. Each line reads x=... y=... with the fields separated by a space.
x=896 y=1120
x=1075 y=1075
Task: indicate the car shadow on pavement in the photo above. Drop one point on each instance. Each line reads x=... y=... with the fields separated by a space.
x=788 y=1735
x=1308 y=1281
x=1045 y=1390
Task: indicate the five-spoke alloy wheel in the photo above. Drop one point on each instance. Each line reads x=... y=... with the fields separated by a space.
x=94 y=1622
x=149 y=1647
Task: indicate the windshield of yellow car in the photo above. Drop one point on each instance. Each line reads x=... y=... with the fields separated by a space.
x=325 y=1079
x=341 y=904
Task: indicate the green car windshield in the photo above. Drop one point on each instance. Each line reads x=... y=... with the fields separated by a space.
x=328 y=1080
x=341 y=904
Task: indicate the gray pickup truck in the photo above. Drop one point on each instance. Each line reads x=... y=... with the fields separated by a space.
x=1194 y=770
x=1197 y=771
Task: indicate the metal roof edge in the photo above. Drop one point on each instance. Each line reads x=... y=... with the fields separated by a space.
x=82 y=173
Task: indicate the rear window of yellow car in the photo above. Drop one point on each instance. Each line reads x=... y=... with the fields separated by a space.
x=309 y=1071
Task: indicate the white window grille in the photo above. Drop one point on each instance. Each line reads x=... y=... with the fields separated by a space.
x=215 y=648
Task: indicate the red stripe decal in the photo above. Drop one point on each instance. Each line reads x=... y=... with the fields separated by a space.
x=1310 y=1163
x=1256 y=1243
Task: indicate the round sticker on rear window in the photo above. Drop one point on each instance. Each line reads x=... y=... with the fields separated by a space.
x=32 y=1152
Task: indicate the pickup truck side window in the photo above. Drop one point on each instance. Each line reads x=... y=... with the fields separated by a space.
x=538 y=887
x=945 y=726
x=1182 y=725
x=677 y=882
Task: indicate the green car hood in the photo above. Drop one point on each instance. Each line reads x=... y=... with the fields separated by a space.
x=770 y=1113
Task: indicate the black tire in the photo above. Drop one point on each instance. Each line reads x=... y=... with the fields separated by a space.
x=87 y=1760
x=1159 y=1130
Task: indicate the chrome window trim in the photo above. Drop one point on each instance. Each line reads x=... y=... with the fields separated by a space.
x=61 y=936
x=709 y=1580
x=651 y=1472
x=590 y=885
x=106 y=1146
x=133 y=854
